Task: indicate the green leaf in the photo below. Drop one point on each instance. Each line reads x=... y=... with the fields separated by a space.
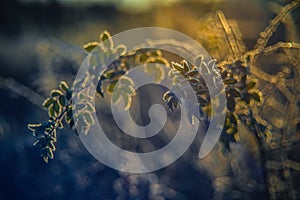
x=51 y=111
x=56 y=107
x=235 y=92
x=48 y=102
x=124 y=80
x=106 y=40
x=62 y=100
x=230 y=81
x=90 y=46
x=186 y=66
x=111 y=86
x=121 y=50
x=90 y=107
x=69 y=94
x=45 y=158
x=127 y=100
x=230 y=104
x=34 y=127
x=255 y=96
x=251 y=85
x=177 y=66
x=64 y=86
x=193 y=80
x=116 y=96
x=192 y=73
x=56 y=93
x=99 y=89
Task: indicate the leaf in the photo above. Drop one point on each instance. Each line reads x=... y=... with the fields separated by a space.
x=45 y=158
x=186 y=66
x=230 y=81
x=64 y=86
x=121 y=50
x=193 y=80
x=34 y=127
x=69 y=94
x=99 y=89
x=251 y=85
x=127 y=100
x=106 y=40
x=128 y=90
x=202 y=101
x=56 y=107
x=56 y=93
x=88 y=118
x=177 y=66
x=51 y=111
x=230 y=104
x=90 y=107
x=192 y=72
x=235 y=92
x=126 y=80
x=224 y=74
x=90 y=46
x=116 y=96
x=62 y=100
x=48 y=102
x=255 y=96
x=204 y=69
x=111 y=86
x=49 y=153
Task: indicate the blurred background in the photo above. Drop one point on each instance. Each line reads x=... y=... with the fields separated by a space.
x=41 y=44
